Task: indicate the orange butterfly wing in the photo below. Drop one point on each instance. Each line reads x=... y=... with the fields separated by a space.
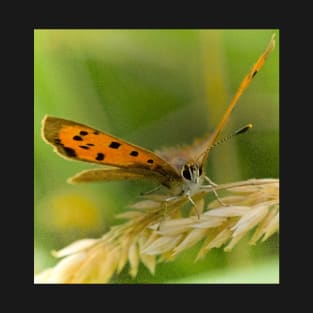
x=80 y=142
x=211 y=139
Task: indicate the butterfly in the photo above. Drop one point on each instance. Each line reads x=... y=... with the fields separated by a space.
x=180 y=170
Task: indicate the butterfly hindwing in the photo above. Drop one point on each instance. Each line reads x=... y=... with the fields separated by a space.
x=114 y=174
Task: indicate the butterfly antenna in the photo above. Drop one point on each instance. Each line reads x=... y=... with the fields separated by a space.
x=241 y=130
x=237 y=132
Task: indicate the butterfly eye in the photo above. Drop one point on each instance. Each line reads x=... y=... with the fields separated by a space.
x=186 y=173
x=200 y=171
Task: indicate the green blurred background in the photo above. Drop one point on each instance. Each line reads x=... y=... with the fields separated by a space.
x=153 y=88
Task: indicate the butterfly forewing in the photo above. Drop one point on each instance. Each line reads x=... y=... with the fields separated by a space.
x=212 y=137
x=80 y=142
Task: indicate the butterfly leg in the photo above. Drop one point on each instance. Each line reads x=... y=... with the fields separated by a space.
x=194 y=205
x=210 y=181
x=211 y=186
x=177 y=197
x=151 y=191
x=167 y=200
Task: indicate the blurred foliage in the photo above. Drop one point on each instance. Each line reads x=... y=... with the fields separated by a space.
x=153 y=88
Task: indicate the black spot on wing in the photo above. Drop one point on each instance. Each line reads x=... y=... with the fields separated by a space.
x=90 y=144
x=134 y=153
x=84 y=147
x=150 y=161
x=77 y=138
x=254 y=73
x=69 y=152
x=83 y=133
x=100 y=156
x=114 y=145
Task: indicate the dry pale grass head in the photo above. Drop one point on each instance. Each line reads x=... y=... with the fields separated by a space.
x=154 y=233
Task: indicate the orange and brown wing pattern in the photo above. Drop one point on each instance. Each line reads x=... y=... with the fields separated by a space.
x=80 y=142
